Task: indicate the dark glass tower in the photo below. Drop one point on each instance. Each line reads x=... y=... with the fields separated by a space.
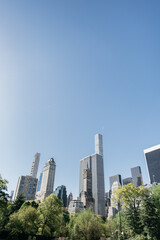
x=61 y=193
x=152 y=156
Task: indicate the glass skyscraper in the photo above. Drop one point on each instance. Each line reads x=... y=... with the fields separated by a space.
x=61 y=193
x=152 y=156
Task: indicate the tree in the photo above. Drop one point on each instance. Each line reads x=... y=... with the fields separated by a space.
x=150 y=217
x=130 y=196
x=17 y=203
x=24 y=221
x=3 y=202
x=86 y=226
x=30 y=203
x=51 y=217
x=156 y=196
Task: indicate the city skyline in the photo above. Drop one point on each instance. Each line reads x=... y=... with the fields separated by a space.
x=71 y=70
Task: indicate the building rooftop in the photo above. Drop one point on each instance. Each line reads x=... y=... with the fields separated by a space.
x=151 y=149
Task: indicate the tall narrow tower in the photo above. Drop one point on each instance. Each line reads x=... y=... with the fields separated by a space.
x=35 y=165
x=94 y=163
x=99 y=144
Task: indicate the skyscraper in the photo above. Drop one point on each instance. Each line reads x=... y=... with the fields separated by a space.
x=137 y=176
x=35 y=165
x=95 y=164
x=48 y=177
x=152 y=156
x=127 y=181
x=115 y=178
x=61 y=193
x=99 y=144
x=27 y=186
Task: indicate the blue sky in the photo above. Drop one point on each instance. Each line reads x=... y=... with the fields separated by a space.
x=71 y=69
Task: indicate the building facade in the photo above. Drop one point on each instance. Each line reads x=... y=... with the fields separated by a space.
x=35 y=164
x=61 y=193
x=152 y=156
x=127 y=181
x=99 y=144
x=86 y=194
x=48 y=177
x=137 y=176
x=75 y=206
x=115 y=178
x=27 y=186
x=95 y=164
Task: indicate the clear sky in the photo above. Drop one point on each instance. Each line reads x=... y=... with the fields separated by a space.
x=70 y=69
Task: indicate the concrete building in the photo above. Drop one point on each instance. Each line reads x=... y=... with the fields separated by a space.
x=86 y=195
x=48 y=177
x=95 y=164
x=127 y=181
x=27 y=186
x=61 y=193
x=152 y=156
x=35 y=165
x=137 y=176
x=75 y=206
x=115 y=178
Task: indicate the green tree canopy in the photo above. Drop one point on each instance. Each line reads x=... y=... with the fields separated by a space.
x=3 y=202
x=50 y=210
x=86 y=226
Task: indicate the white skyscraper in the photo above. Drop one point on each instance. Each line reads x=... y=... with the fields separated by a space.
x=99 y=144
x=48 y=177
x=35 y=165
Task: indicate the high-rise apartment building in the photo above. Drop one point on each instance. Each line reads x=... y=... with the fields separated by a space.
x=61 y=193
x=35 y=165
x=27 y=186
x=115 y=178
x=137 y=176
x=127 y=181
x=48 y=177
x=152 y=156
x=95 y=164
